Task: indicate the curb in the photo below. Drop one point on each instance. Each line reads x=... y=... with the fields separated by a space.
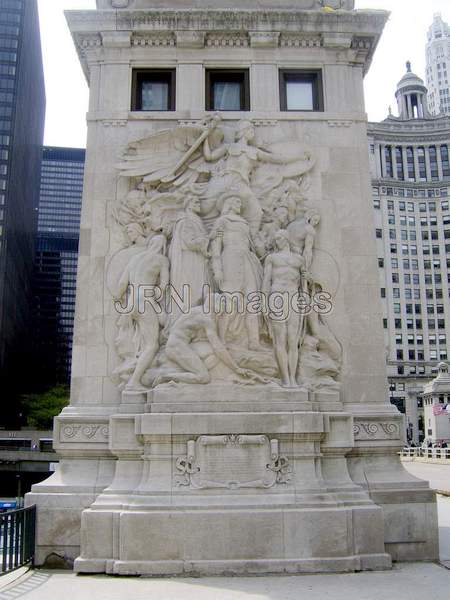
x=14 y=577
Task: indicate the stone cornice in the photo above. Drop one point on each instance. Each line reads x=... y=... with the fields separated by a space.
x=355 y=30
x=412 y=185
x=426 y=131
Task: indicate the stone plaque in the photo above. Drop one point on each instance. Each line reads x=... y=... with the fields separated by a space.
x=233 y=462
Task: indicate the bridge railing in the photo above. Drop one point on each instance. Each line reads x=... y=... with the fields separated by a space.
x=17 y=538
x=430 y=453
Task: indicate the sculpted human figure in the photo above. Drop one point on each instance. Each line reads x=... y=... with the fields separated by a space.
x=145 y=275
x=276 y=220
x=198 y=158
x=316 y=368
x=238 y=160
x=235 y=266
x=302 y=233
x=132 y=208
x=283 y=275
x=199 y=323
x=318 y=327
x=188 y=254
x=135 y=234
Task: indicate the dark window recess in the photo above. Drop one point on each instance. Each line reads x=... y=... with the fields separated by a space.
x=301 y=90
x=153 y=90
x=227 y=89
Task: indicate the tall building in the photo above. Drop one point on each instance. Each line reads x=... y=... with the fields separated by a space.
x=438 y=66
x=56 y=261
x=22 y=107
x=411 y=188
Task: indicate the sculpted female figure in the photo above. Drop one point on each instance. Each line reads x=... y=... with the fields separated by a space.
x=189 y=255
x=236 y=268
x=238 y=161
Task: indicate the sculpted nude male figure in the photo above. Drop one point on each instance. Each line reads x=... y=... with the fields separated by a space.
x=283 y=272
x=148 y=268
x=199 y=322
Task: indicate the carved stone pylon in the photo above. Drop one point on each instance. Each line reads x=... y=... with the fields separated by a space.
x=211 y=439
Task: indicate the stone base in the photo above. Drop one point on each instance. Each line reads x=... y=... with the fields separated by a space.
x=233 y=492
x=232 y=541
x=205 y=568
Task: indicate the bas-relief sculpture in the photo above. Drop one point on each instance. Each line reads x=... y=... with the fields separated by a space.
x=218 y=231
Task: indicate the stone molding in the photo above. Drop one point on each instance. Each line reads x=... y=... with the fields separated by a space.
x=232 y=28
x=114 y=123
x=340 y=123
x=81 y=432
x=376 y=429
x=156 y=40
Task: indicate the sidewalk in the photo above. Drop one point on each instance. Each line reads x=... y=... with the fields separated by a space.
x=405 y=582
x=437 y=474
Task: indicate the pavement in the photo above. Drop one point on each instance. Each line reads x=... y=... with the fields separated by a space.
x=437 y=474
x=406 y=581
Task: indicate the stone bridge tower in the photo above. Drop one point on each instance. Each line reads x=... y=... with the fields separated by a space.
x=248 y=429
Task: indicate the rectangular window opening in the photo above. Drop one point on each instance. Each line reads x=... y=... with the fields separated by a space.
x=301 y=90
x=227 y=89
x=153 y=90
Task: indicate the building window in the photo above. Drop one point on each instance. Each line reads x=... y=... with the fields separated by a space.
x=445 y=161
x=153 y=90
x=399 y=159
x=421 y=161
x=227 y=89
x=388 y=160
x=433 y=163
x=410 y=163
x=301 y=90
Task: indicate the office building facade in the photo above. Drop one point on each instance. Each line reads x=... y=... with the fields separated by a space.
x=22 y=108
x=438 y=66
x=410 y=172
x=56 y=260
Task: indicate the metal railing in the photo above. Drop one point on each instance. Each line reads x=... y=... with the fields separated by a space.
x=17 y=538
x=431 y=453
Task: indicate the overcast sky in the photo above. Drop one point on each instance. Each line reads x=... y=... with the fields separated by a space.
x=67 y=93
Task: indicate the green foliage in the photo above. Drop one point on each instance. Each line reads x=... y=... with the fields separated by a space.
x=39 y=409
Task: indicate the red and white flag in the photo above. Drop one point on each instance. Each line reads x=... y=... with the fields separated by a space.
x=438 y=409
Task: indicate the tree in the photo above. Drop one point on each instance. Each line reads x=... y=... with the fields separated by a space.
x=39 y=409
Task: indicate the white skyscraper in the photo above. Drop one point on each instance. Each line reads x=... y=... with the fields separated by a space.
x=410 y=166
x=438 y=66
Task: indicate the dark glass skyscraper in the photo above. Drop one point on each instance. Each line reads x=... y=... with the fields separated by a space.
x=56 y=261
x=22 y=108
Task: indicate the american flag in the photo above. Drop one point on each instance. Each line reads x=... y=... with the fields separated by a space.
x=439 y=409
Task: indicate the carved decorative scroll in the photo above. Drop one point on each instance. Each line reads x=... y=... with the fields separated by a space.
x=232 y=462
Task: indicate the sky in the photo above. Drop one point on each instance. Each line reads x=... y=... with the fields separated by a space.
x=403 y=39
